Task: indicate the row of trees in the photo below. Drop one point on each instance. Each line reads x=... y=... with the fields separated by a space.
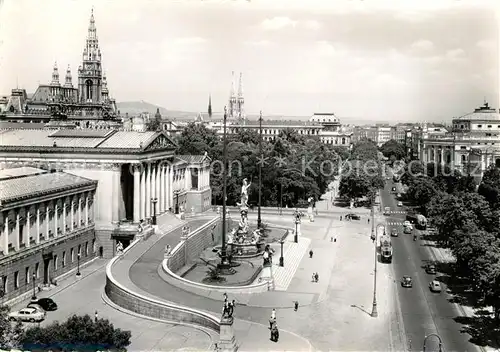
x=294 y=166
x=467 y=221
x=78 y=333
x=362 y=174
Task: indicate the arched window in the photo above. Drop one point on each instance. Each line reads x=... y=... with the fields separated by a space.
x=88 y=89
x=463 y=158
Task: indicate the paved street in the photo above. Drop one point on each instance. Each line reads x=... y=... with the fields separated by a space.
x=423 y=312
x=338 y=321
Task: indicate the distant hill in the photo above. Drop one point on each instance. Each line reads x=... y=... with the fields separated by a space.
x=134 y=108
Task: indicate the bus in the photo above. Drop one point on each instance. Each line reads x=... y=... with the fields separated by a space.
x=418 y=219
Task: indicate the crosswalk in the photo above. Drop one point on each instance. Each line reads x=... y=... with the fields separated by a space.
x=397 y=212
x=293 y=255
x=395 y=223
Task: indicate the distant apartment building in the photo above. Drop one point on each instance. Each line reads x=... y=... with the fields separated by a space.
x=325 y=126
x=380 y=134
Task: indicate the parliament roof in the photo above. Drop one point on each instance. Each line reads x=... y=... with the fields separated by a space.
x=84 y=140
x=31 y=185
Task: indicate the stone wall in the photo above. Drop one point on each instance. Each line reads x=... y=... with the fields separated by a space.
x=200 y=200
x=135 y=302
x=189 y=250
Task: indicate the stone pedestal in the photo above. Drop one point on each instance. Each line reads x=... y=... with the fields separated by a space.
x=298 y=229
x=227 y=341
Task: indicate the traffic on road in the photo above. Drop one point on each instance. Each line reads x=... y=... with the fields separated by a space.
x=422 y=295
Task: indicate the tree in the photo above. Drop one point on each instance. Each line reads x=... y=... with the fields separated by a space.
x=413 y=170
x=364 y=150
x=154 y=124
x=421 y=191
x=355 y=185
x=393 y=149
x=196 y=139
x=77 y=333
x=10 y=336
x=490 y=187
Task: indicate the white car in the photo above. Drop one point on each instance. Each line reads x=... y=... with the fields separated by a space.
x=435 y=286
x=400 y=204
x=27 y=314
x=407 y=223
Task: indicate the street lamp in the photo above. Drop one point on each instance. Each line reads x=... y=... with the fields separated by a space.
x=297 y=215
x=281 y=257
x=259 y=219
x=34 y=292
x=78 y=262
x=374 y=304
x=281 y=198
x=176 y=193
x=154 y=201
x=224 y=262
x=440 y=341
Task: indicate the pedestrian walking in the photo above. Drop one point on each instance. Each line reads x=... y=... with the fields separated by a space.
x=313 y=277
x=331 y=239
x=340 y=217
x=296 y=306
x=368 y=220
x=335 y=239
x=316 y=277
x=96 y=316
x=311 y=253
x=273 y=314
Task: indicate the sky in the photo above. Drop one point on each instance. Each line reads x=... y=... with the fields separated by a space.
x=404 y=60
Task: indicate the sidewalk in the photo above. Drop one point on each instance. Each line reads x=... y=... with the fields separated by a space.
x=84 y=296
x=444 y=255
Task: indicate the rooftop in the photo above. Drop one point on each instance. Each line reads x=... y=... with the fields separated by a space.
x=31 y=185
x=483 y=113
x=86 y=139
x=20 y=172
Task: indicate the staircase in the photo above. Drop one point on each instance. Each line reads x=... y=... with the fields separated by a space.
x=293 y=254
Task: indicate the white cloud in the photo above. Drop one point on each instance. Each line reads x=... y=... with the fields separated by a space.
x=189 y=41
x=455 y=54
x=326 y=49
x=432 y=60
x=259 y=43
x=486 y=44
x=311 y=24
x=278 y=23
x=422 y=46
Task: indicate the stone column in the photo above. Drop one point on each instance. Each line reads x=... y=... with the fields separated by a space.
x=79 y=211
x=87 y=210
x=137 y=194
x=147 y=203
x=153 y=185
x=429 y=154
x=168 y=191
x=47 y=221
x=142 y=202
x=187 y=178
x=157 y=188
x=64 y=205
x=72 y=217
x=16 y=237
x=162 y=189
x=27 y=230
x=56 y=208
x=37 y=236
x=5 y=237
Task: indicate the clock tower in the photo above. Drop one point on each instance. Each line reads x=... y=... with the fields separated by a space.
x=90 y=82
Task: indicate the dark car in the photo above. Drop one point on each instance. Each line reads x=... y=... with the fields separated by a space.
x=406 y=281
x=431 y=269
x=394 y=233
x=353 y=216
x=47 y=304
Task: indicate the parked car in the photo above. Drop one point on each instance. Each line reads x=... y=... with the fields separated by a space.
x=353 y=216
x=46 y=303
x=435 y=286
x=407 y=229
x=431 y=269
x=27 y=314
x=393 y=189
x=394 y=232
x=400 y=204
x=399 y=195
x=406 y=281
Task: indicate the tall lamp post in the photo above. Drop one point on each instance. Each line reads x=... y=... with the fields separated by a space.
x=438 y=337
x=282 y=260
x=281 y=198
x=224 y=262
x=34 y=292
x=259 y=219
x=176 y=193
x=78 y=273
x=154 y=201
x=297 y=214
x=374 y=304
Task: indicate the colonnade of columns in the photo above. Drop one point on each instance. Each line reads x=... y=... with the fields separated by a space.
x=437 y=155
x=160 y=182
x=32 y=224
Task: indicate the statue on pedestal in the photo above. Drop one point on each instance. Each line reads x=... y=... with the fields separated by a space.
x=228 y=308
x=298 y=215
x=243 y=204
x=267 y=256
x=168 y=249
x=119 y=248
